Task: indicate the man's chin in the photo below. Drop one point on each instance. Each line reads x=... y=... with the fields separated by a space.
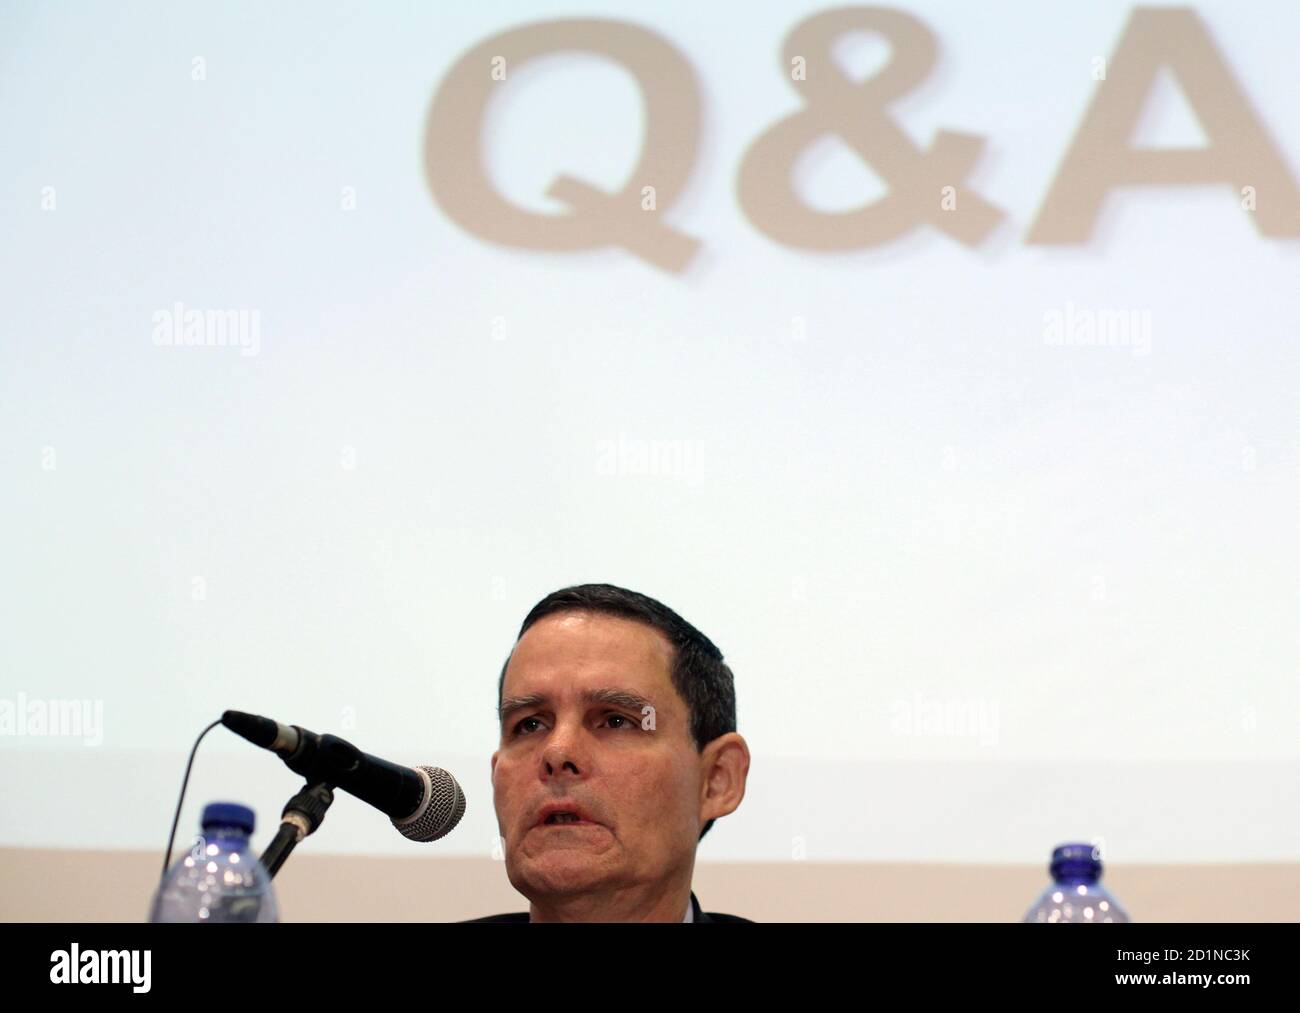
x=557 y=871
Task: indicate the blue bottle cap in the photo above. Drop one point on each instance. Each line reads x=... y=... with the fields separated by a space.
x=1077 y=863
x=228 y=814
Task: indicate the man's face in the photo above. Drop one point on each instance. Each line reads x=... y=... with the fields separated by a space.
x=635 y=774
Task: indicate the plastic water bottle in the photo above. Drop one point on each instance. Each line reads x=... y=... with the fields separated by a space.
x=1075 y=894
x=220 y=880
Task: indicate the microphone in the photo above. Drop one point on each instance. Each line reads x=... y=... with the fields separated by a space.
x=423 y=803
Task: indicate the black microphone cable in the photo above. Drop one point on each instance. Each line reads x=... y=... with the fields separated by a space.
x=167 y=855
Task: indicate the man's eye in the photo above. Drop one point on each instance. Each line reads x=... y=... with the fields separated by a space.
x=521 y=725
x=626 y=723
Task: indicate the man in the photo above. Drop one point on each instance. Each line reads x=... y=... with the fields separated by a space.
x=618 y=751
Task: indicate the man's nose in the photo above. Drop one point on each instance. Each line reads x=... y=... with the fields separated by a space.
x=565 y=751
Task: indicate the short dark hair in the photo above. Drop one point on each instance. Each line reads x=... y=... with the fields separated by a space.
x=698 y=673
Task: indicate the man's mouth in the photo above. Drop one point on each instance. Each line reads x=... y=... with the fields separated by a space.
x=562 y=815
x=566 y=820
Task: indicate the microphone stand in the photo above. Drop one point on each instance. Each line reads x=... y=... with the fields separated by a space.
x=301 y=816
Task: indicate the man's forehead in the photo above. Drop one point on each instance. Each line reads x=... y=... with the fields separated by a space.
x=576 y=651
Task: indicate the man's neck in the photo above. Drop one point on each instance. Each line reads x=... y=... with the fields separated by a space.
x=668 y=905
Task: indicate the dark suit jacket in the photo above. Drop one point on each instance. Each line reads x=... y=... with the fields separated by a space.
x=698 y=915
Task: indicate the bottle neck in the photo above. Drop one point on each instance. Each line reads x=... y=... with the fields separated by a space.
x=231 y=838
x=1074 y=873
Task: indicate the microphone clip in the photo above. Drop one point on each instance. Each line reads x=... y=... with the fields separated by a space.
x=301 y=817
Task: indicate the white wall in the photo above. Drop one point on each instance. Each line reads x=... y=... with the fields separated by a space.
x=982 y=593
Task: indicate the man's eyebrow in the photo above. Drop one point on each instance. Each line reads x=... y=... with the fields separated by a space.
x=613 y=696
x=617 y=698
x=514 y=703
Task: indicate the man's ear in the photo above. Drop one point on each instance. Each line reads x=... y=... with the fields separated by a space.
x=725 y=767
x=494 y=763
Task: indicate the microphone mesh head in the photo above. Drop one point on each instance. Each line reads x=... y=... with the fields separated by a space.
x=444 y=805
